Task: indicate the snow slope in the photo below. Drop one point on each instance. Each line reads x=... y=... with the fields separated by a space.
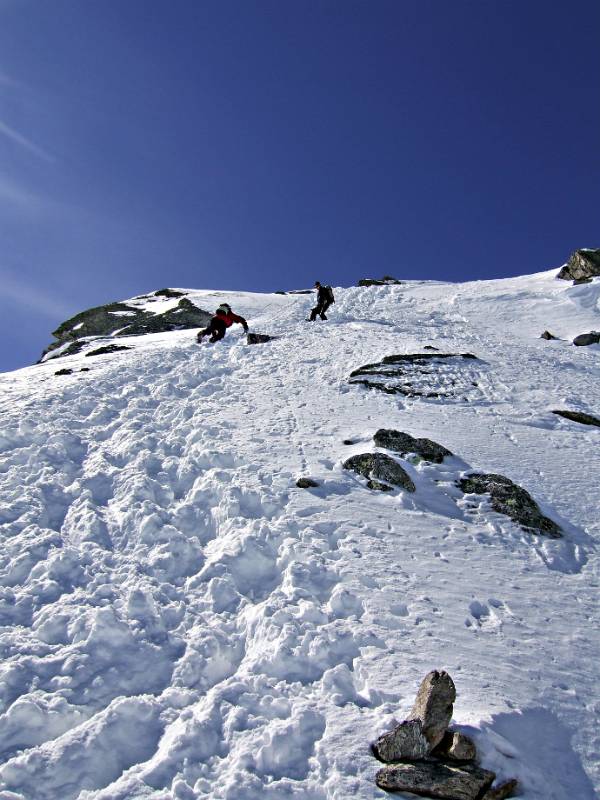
x=181 y=621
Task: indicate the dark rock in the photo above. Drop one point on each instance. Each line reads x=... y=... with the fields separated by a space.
x=64 y=372
x=433 y=705
x=512 y=500
x=585 y=339
x=280 y=292
x=578 y=416
x=259 y=338
x=84 y=369
x=456 y=746
x=306 y=483
x=579 y=281
x=431 y=779
x=168 y=293
x=120 y=319
x=428 y=375
x=403 y=443
x=405 y=743
x=387 y=280
x=547 y=335
x=582 y=264
x=430 y=347
x=502 y=791
x=348 y=441
x=109 y=348
x=379 y=467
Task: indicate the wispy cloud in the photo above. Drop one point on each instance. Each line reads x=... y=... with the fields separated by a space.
x=35 y=298
x=23 y=141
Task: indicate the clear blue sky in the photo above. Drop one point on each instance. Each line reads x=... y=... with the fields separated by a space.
x=263 y=144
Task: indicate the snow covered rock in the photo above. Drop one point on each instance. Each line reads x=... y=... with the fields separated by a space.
x=125 y=319
x=512 y=500
x=431 y=779
x=581 y=265
x=404 y=443
x=502 y=791
x=377 y=467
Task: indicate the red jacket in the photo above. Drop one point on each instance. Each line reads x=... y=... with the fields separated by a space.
x=230 y=318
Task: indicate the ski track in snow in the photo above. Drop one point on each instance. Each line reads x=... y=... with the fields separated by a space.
x=180 y=621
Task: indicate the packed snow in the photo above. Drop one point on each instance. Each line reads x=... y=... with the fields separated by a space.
x=179 y=620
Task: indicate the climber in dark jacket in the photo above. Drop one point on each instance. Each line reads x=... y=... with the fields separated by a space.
x=324 y=299
x=223 y=319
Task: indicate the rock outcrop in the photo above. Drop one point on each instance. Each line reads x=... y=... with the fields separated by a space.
x=404 y=443
x=378 y=467
x=430 y=779
x=259 y=338
x=512 y=500
x=547 y=335
x=582 y=265
x=387 y=280
x=121 y=319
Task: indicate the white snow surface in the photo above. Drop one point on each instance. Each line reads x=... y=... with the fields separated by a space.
x=179 y=620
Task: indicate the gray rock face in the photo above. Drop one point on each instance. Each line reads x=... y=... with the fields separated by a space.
x=547 y=335
x=456 y=746
x=501 y=792
x=405 y=743
x=578 y=416
x=403 y=443
x=377 y=467
x=433 y=705
x=431 y=779
x=512 y=500
x=582 y=264
x=109 y=348
x=120 y=319
x=585 y=339
x=259 y=338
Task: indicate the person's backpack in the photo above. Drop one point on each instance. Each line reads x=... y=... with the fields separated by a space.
x=329 y=292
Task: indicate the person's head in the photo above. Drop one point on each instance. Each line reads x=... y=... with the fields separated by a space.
x=317 y=285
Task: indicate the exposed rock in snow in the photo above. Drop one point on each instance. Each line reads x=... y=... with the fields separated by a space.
x=578 y=416
x=406 y=742
x=502 y=791
x=434 y=705
x=456 y=746
x=404 y=443
x=378 y=467
x=585 y=339
x=259 y=338
x=109 y=348
x=428 y=375
x=431 y=779
x=306 y=483
x=387 y=280
x=582 y=264
x=512 y=500
x=547 y=335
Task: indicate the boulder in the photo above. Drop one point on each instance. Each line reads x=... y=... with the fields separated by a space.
x=582 y=264
x=168 y=293
x=259 y=338
x=456 y=746
x=403 y=443
x=64 y=372
x=405 y=743
x=306 y=483
x=433 y=705
x=431 y=779
x=547 y=335
x=578 y=416
x=512 y=500
x=378 y=467
x=502 y=791
x=585 y=339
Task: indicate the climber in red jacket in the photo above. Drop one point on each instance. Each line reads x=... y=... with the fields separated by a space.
x=223 y=319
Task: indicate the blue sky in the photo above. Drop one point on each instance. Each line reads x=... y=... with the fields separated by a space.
x=265 y=144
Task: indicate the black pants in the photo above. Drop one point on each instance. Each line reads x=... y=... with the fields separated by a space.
x=216 y=330
x=320 y=309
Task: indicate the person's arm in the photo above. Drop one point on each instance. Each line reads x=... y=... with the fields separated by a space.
x=241 y=320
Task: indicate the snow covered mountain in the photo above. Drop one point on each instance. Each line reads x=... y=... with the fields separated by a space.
x=180 y=620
